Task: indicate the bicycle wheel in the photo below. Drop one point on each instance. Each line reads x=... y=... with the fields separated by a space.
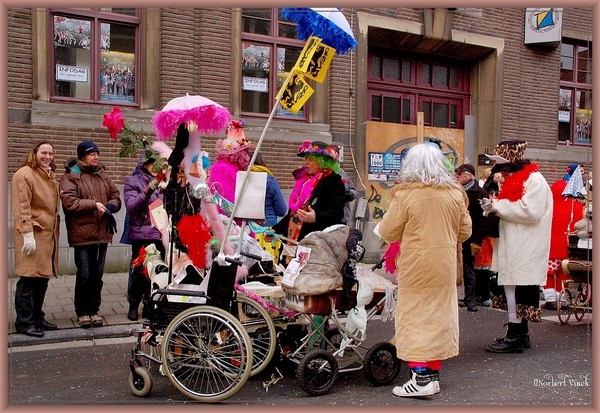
x=260 y=328
x=317 y=372
x=563 y=306
x=381 y=366
x=207 y=353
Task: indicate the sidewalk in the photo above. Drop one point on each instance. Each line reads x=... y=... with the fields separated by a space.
x=60 y=310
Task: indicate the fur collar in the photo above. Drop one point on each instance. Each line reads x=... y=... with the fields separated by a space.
x=513 y=187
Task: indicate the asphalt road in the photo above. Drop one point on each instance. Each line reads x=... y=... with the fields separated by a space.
x=557 y=370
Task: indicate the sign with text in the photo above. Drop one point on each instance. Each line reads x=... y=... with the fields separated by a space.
x=71 y=73
x=384 y=166
x=256 y=84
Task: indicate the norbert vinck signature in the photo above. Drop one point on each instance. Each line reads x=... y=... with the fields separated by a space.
x=563 y=380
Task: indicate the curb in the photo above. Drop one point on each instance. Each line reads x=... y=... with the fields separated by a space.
x=74 y=334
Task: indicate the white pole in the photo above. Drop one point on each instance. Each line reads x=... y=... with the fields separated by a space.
x=221 y=257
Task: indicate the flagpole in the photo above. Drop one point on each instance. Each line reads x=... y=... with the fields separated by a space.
x=221 y=256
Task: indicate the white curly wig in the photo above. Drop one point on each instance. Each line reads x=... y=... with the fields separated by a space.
x=425 y=163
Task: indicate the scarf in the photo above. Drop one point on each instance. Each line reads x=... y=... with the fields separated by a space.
x=260 y=168
x=514 y=185
x=303 y=189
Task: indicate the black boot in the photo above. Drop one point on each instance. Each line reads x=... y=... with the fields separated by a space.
x=523 y=333
x=132 y=314
x=511 y=343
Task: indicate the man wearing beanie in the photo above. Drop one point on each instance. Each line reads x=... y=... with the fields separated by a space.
x=89 y=199
x=465 y=175
x=524 y=208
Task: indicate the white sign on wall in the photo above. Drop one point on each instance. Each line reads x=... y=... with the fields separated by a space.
x=255 y=84
x=543 y=25
x=71 y=73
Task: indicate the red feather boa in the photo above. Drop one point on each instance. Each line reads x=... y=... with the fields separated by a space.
x=194 y=232
x=513 y=187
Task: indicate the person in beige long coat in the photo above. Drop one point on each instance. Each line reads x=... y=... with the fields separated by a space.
x=428 y=215
x=35 y=203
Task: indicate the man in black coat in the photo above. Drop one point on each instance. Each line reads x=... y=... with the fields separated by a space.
x=465 y=175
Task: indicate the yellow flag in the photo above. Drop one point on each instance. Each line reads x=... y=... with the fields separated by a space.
x=296 y=93
x=315 y=59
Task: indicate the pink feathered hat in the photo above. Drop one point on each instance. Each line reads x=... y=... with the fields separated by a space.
x=236 y=140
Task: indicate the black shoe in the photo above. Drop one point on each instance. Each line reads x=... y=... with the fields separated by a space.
x=33 y=332
x=46 y=325
x=133 y=314
x=512 y=341
x=472 y=307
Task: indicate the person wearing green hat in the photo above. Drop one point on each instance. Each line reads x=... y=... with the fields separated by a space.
x=318 y=198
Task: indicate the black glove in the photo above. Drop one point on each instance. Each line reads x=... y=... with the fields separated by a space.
x=111 y=207
x=111 y=222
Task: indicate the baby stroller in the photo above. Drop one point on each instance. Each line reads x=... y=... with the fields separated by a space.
x=332 y=346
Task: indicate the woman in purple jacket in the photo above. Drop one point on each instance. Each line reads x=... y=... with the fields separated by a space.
x=141 y=190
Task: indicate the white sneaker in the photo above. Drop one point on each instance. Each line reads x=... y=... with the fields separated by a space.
x=412 y=389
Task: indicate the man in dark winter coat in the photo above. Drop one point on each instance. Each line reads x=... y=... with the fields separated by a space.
x=465 y=175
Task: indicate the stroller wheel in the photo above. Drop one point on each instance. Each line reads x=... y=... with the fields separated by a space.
x=317 y=372
x=381 y=364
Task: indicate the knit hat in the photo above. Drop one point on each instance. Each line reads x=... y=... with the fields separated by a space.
x=86 y=147
x=236 y=140
x=319 y=148
x=465 y=167
x=512 y=151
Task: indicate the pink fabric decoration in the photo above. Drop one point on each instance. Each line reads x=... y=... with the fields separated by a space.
x=210 y=119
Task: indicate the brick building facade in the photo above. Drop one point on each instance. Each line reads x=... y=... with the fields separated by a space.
x=514 y=87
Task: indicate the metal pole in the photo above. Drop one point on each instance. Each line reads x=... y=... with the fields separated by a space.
x=245 y=181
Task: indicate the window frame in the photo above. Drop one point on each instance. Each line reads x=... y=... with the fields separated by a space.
x=575 y=88
x=416 y=90
x=97 y=16
x=273 y=42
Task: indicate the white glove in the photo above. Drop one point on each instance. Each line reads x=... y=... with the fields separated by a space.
x=28 y=243
x=486 y=205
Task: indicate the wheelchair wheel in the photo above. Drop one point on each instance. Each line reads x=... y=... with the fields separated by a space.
x=381 y=366
x=563 y=306
x=317 y=372
x=206 y=353
x=332 y=337
x=140 y=382
x=260 y=328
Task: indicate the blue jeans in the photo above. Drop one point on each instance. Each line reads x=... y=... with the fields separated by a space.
x=89 y=260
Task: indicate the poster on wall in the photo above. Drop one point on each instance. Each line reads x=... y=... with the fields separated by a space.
x=71 y=32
